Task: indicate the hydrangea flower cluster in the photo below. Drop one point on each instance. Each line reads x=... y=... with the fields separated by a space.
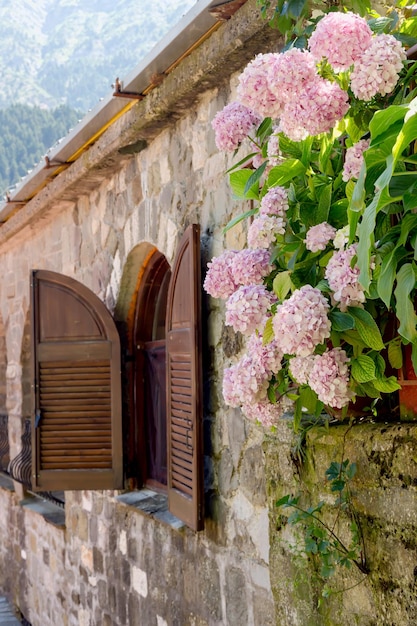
x=317 y=237
x=232 y=269
x=377 y=71
x=274 y=202
x=301 y=322
x=249 y=267
x=305 y=93
x=265 y=412
x=341 y=38
x=264 y=229
x=327 y=374
x=232 y=125
x=343 y=279
x=316 y=110
x=245 y=383
x=219 y=281
x=329 y=378
x=254 y=89
x=354 y=159
x=247 y=308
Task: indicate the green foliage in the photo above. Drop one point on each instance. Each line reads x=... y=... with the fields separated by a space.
x=318 y=526
x=27 y=133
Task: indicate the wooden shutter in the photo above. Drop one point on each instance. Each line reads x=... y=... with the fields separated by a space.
x=184 y=384
x=76 y=424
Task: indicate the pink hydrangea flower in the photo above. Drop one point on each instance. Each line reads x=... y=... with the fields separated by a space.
x=232 y=125
x=316 y=110
x=341 y=38
x=254 y=88
x=265 y=412
x=317 y=237
x=341 y=237
x=247 y=308
x=264 y=229
x=274 y=202
x=219 y=281
x=378 y=68
x=244 y=383
x=268 y=357
x=354 y=159
x=249 y=267
x=343 y=279
x=301 y=323
x=329 y=378
x=273 y=152
x=289 y=73
x=300 y=368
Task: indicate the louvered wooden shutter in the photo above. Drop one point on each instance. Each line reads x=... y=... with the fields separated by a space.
x=184 y=384
x=77 y=426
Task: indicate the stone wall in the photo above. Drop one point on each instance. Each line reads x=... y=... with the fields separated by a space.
x=385 y=500
x=114 y=563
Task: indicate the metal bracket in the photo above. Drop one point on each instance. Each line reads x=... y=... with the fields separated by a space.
x=118 y=91
x=224 y=10
x=55 y=163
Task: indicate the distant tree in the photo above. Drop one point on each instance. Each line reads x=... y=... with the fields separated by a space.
x=27 y=133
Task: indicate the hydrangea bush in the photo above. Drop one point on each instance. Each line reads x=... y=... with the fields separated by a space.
x=331 y=249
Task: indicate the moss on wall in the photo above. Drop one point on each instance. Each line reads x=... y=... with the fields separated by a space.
x=385 y=498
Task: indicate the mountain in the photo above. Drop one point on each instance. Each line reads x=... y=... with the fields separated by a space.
x=58 y=58
x=55 y=52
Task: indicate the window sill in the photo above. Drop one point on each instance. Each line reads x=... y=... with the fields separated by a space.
x=51 y=513
x=153 y=504
x=6 y=482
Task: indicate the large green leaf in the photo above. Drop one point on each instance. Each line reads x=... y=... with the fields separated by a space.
x=363 y=369
x=283 y=173
x=385 y=123
x=387 y=276
x=367 y=328
x=406 y=281
x=238 y=181
x=282 y=284
x=386 y=385
x=239 y=218
x=395 y=354
x=341 y=321
x=325 y=198
x=253 y=180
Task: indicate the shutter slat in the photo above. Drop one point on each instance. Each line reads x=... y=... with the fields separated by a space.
x=184 y=384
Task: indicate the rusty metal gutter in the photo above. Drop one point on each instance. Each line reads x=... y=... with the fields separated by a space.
x=195 y=27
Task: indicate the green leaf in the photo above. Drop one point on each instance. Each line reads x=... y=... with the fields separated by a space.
x=387 y=276
x=238 y=182
x=268 y=332
x=367 y=328
x=395 y=354
x=386 y=385
x=325 y=198
x=239 y=218
x=254 y=178
x=282 y=284
x=283 y=501
x=308 y=399
x=341 y=321
x=406 y=280
x=264 y=129
x=363 y=369
x=283 y=173
x=402 y=182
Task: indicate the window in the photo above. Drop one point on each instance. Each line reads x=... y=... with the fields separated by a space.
x=77 y=418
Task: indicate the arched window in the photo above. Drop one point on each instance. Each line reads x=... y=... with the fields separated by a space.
x=150 y=370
